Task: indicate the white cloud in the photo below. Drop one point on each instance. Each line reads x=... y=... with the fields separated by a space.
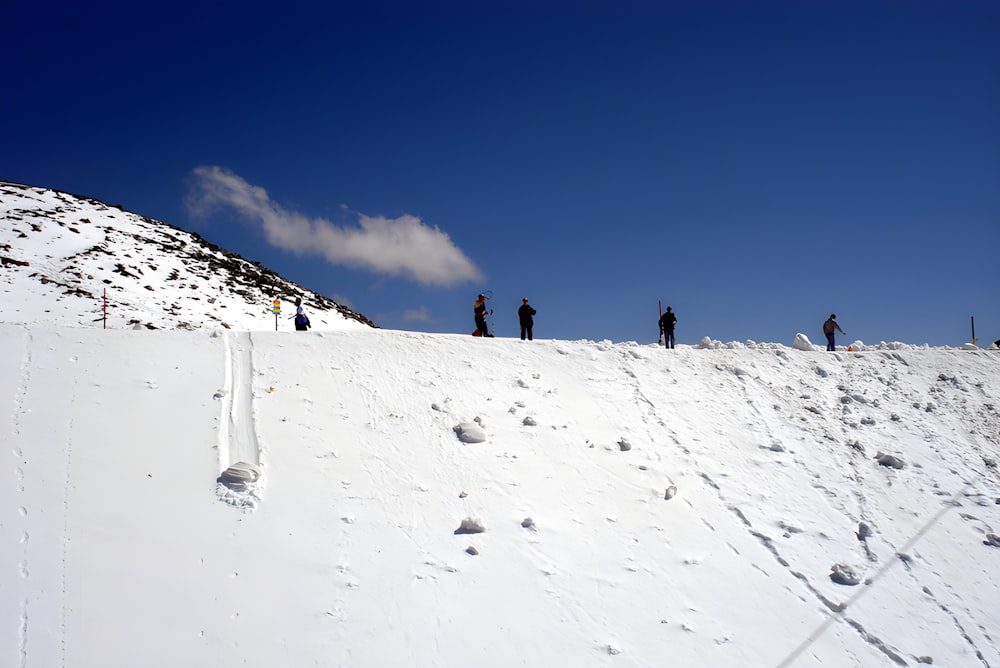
x=402 y=246
x=418 y=315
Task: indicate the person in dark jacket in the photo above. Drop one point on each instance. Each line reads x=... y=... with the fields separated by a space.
x=829 y=327
x=480 y=310
x=524 y=315
x=667 y=323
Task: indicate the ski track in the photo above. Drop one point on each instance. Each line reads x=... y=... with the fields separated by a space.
x=64 y=541
x=32 y=487
x=850 y=400
x=237 y=435
x=243 y=443
x=20 y=467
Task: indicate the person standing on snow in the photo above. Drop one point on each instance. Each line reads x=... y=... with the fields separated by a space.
x=524 y=315
x=667 y=322
x=829 y=327
x=302 y=323
x=480 y=310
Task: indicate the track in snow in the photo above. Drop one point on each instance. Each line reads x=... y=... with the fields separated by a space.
x=237 y=428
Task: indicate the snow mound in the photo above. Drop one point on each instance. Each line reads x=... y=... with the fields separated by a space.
x=802 y=342
x=470 y=432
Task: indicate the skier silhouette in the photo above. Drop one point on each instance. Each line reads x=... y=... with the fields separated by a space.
x=524 y=314
x=480 y=310
x=667 y=322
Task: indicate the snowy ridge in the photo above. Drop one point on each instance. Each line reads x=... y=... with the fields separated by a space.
x=60 y=254
x=760 y=506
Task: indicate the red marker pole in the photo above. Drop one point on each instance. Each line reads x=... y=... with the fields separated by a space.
x=660 y=304
x=105 y=308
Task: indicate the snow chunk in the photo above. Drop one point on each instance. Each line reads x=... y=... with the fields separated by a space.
x=708 y=344
x=845 y=575
x=241 y=475
x=470 y=525
x=802 y=342
x=890 y=461
x=470 y=432
x=240 y=485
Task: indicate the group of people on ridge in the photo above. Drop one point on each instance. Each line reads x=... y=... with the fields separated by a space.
x=667 y=322
x=525 y=315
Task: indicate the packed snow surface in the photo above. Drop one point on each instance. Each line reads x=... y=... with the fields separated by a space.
x=444 y=500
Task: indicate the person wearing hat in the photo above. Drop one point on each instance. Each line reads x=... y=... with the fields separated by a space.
x=524 y=315
x=480 y=311
x=829 y=327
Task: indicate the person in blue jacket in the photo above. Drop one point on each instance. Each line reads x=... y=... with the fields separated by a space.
x=302 y=323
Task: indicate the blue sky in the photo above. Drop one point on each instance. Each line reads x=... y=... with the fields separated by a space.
x=757 y=165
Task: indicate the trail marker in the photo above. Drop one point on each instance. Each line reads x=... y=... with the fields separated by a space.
x=276 y=310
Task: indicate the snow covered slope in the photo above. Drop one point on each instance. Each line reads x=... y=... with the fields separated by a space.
x=641 y=507
x=60 y=254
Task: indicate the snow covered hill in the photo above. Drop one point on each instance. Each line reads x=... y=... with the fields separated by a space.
x=61 y=255
x=761 y=506
x=443 y=500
